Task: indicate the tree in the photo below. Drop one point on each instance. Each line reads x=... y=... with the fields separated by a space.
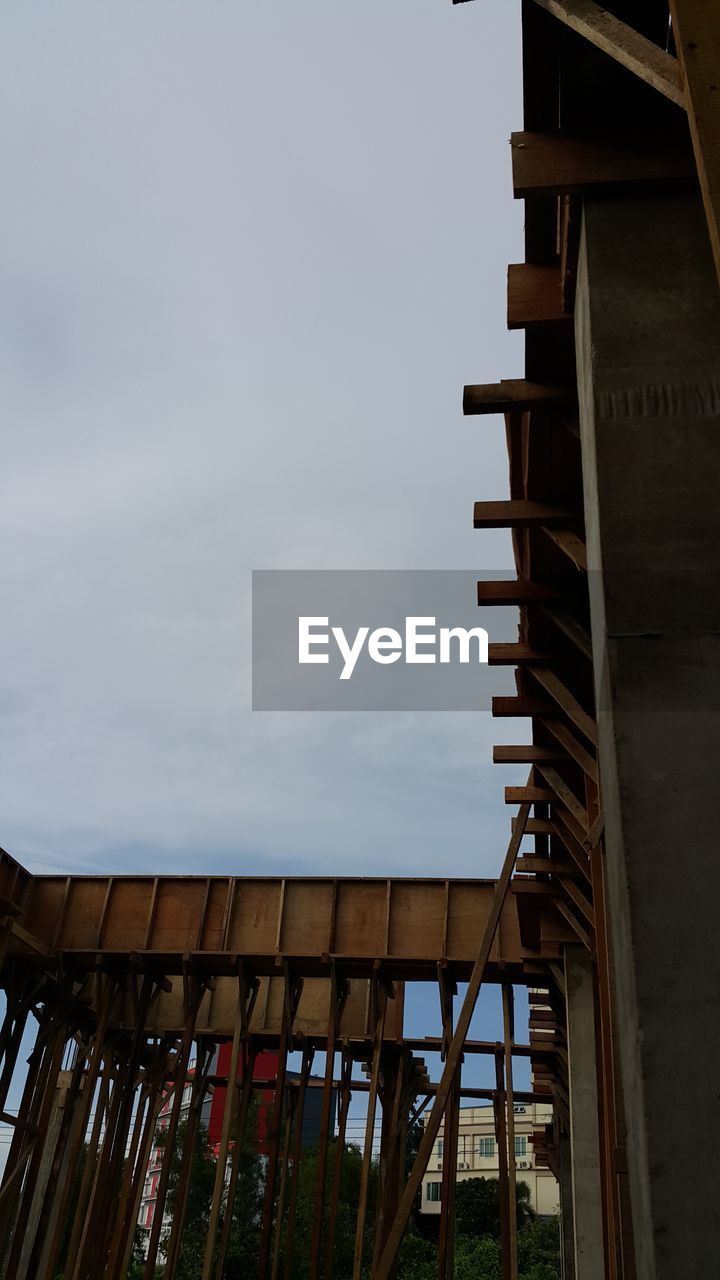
x=477 y=1207
x=242 y=1253
x=539 y=1249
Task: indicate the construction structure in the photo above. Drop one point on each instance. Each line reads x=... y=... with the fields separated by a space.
x=606 y=904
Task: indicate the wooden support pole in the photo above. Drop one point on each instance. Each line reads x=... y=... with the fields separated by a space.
x=446 y=1242
x=291 y=996
x=193 y=994
x=228 y=1117
x=199 y=1087
x=381 y=1004
x=307 y=1060
x=291 y=1109
x=345 y=1098
x=697 y=35
x=244 y=1110
x=454 y=1057
x=338 y=992
x=508 y=1037
x=622 y=43
x=500 y=1113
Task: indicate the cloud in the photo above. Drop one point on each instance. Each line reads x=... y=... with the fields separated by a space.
x=250 y=255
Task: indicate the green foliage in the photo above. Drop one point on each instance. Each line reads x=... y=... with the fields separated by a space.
x=242 y=1254
x=477 y=1207
x=477 y=1258
x=539 y=1249
x=417 y=1259
x=344 y=1244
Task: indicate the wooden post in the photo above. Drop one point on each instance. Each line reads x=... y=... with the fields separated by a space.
x=381 y=1003
x=345 y=1098
x=338 y=993
x=199 y=1087
x=499 y=1106
x=308 y=1054
x=509 y=1036
x=454 y=1058
x=239 y=1142
x=292 y=990
x=241 y=1022
x=193 y=994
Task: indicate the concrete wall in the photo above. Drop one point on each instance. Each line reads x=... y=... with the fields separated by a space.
x=648 y=341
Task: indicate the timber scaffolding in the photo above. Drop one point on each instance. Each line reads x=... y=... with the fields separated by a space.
x=128 y=978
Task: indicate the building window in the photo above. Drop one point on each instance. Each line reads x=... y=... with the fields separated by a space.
x=485 y=1148
x=521 y=1146
x=434 y=1191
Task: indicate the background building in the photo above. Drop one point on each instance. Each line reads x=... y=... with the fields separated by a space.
x=478 y=1156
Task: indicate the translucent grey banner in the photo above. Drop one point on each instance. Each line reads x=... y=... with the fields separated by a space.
x=376 y=640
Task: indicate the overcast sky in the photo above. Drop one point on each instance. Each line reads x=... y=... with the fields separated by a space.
x=250 y=253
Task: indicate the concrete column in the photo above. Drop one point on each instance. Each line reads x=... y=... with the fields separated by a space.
x=648 y=344
x=584 y=1127
x=567 y=1228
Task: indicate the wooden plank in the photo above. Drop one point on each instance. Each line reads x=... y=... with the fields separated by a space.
x=514 y=591
x=622 y=43
x=697 y=35
x=504 y=707
x=565 y=794
x=536 y=827
x=516 y=395
x=571 y=544
x=570 y=627
x=567 y=702
x=534 y=297
x=530 y=754
x=528 y=795
x=573 y=748
x=546 y=164
x=521 y=655
x=519 y=513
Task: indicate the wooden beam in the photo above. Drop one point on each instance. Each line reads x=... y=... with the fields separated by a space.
x=515 y=591
x=534 y=297
x=536 y=827
x=622 y=43
x=567 y=702
x=521 y=655
x=697 y=36
x=516 y=395
x=571 y=545
x=549 y=164
x=569 y=625
x=528 y=795
x=505 y=707
x=518 y=513
x=529 y=754
x=578 y=753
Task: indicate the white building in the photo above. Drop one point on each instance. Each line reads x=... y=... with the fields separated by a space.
x=478 y=1156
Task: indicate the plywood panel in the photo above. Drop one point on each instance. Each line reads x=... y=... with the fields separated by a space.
x=417 y=919
x=307 y=917
x=361 y=918
x=127 y=916
x=178 y=911
x=253 y=928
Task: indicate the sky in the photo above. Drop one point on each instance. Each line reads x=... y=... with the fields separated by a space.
x=249 y=253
